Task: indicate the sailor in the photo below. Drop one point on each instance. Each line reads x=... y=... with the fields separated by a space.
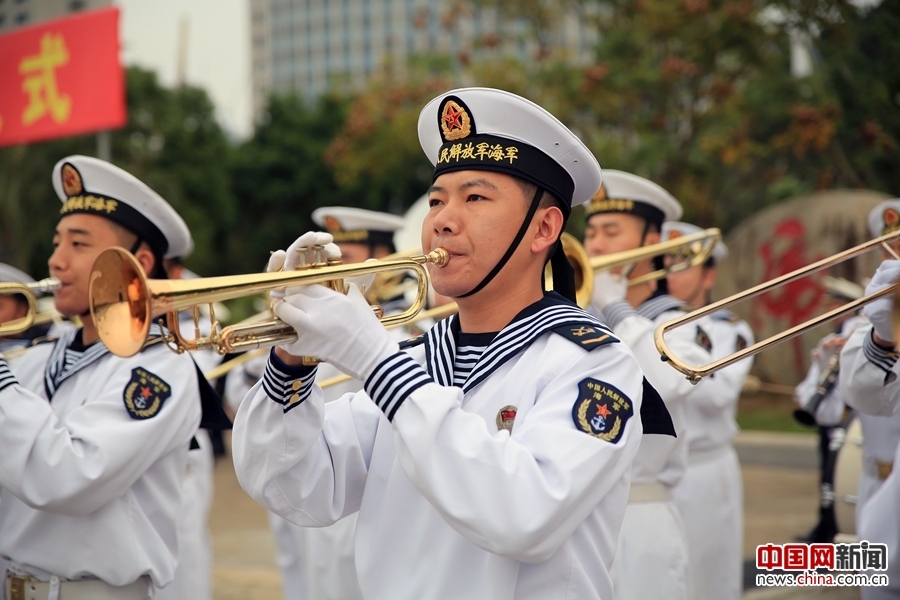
x=881 y=434
x=95 y=446
x=832 y=416
x=869 y=382
x=317 y=562
x=489 y=459
x=710 y=495
x=625 y=214
x=193 y=577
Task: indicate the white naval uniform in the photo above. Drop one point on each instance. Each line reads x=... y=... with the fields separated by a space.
x=870 y=384
x=710 y=495
x=91 y=488
x=193 y=576
x=450 y=504
x=652 y=557
x=316 y=563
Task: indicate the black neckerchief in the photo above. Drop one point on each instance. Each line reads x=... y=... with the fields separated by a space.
x=547 y=313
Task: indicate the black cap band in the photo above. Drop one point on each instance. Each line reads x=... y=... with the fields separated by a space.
x=118 y=212
x=363 y=236
x=485 y=152
x=637 y=208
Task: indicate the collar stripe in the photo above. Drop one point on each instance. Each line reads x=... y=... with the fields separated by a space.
x=656 y=306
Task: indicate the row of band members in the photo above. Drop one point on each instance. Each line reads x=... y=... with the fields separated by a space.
x=523 y=448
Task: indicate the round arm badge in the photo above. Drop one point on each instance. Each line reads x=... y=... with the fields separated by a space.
x=601 y=410
x=145 y=394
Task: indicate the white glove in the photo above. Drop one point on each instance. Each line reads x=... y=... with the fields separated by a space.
x=880 y=311
x=827 y=347
x=288 y=261
x=336 y=328
x=607 y=289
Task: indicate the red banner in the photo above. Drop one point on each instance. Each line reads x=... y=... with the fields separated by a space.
x=61 y=78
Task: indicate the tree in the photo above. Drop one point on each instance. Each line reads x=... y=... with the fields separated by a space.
x=172 y=142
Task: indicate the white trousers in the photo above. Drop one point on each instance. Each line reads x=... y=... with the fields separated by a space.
x=879 y=522
x=317 y=563
x=193 y=575
x=652 y=557
x=710 y=500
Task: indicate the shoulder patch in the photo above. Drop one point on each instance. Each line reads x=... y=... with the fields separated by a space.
x=412 y=342
x=601 y=410
x=145 y=394
x=741 y=342
x=586 y=335
x=703 y=339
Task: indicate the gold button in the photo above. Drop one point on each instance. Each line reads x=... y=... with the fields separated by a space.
x=294 y=398
x=296 y=385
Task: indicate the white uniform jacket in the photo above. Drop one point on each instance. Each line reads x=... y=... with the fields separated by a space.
x=93 y=461
x=662 y=458
x=870 y=384
x=512 y=487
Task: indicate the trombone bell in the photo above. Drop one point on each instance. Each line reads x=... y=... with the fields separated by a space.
x=30 y=292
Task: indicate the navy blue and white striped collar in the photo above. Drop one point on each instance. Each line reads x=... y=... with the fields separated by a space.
x=65 y=363
x=657 y=304
x=548 y=313
x=723 y=315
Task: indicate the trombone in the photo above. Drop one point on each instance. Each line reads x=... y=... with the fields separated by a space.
x=30 y=291
x=123 y=302
x=685 y=252
x=695 y=373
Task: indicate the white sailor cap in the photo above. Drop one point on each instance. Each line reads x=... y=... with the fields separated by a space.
x=676 y=229
x=885 y=218
x=93 y=186
x=357 y=225
x=10 y=274
x=842 y=288
x=623 y=192
x=494 y=130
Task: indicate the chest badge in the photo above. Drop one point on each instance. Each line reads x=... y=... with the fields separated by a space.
x=601 y=410
x=505 y=418
x=145 y=394
x=703 y=340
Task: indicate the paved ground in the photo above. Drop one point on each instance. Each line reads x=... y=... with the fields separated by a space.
x=780 y=500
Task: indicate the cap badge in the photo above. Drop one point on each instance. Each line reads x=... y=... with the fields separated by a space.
x=71 y=180
x=601 y=194
x=456 y=123
x=674 y=234
x=505 y=418
x=332 y=224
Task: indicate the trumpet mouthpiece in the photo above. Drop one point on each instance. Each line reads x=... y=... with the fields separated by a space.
x=439 y=257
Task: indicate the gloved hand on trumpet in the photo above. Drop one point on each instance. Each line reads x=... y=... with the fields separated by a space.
x=340 y=329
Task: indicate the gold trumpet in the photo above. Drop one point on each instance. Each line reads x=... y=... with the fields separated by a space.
x=124 y=302
x=684 y=252
x=30 y=292
x=695 y=373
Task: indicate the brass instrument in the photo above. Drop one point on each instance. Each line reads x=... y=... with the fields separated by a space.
x=30 y=292
x=685 y=252
x=806 y=414
x=123 y=301
x=697 y=372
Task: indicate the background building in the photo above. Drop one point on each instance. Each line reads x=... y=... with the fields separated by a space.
x=20 y=13
x=307 y=46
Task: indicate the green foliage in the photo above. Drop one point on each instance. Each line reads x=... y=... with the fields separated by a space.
x=172 y=142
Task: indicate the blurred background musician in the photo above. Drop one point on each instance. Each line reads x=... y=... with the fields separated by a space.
x=628 y=213
x=710 y=495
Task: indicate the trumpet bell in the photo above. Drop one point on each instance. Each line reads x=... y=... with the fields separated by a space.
x=120 y=302
x=30 y=292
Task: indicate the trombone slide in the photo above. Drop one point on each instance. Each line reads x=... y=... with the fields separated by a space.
x=695 y=373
